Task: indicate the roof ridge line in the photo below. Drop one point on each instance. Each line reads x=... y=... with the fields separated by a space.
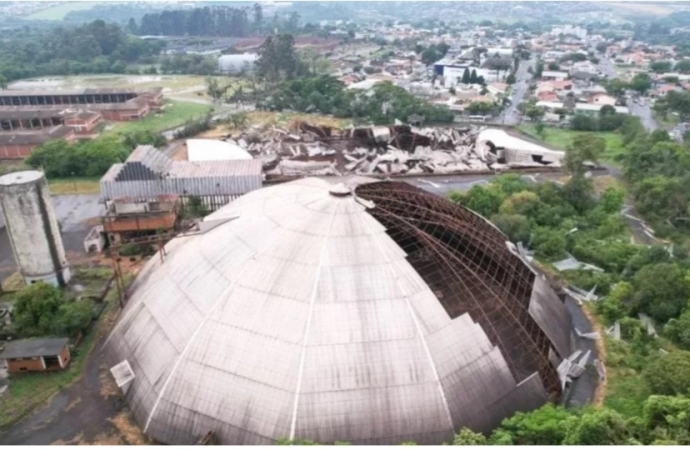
x=312 y=302
x=182 y=354
x=417 y=325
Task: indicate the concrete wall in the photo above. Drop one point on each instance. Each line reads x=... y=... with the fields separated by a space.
x=33 y=227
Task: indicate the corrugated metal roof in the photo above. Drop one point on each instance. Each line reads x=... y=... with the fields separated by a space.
x=29 y=348
x=302 y=318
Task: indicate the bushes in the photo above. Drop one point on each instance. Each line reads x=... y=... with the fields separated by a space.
x=41 y=310
x=669 y=374
x=194 y=127
x=85 y=159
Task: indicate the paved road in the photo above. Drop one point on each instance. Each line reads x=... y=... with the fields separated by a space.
x=511 y=115
x=644 y=112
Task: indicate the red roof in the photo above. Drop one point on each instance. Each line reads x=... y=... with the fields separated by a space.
x=547 y=96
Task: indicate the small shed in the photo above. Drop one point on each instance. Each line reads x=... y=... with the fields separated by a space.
x=36 y=355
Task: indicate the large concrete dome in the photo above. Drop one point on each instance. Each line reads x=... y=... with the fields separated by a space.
x=376 y=314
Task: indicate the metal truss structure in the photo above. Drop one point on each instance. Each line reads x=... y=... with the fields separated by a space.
x=465 y=261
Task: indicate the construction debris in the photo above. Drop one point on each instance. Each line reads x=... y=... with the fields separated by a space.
x=592 y=335
x=647 y=322
x=308 y=149
x=571 y=263
x=581 y=295
x=615 y=331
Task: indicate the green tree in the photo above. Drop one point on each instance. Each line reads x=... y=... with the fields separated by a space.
x=597 y=427
x=678 y=330
x=667 y=419
x=641 y=83
x=583 y=148
x=480 y=108
x=469 y=437
x=430 y=56
x=466 y=76
x=661 y=290
x=607 y=110
x=36 y=309
x=473 y=77
x=543 y=426
x=3 y=81
x=549 y=242
x=616 y=87
x=515 y=226
x=540 y=129
x=73 y=317
x=510 y=79
x=669 y=374
x=683 y=66
x=661 y=66
x=535 y=113
x=485 y=201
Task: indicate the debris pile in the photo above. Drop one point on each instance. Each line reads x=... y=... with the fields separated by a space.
x=307 y=149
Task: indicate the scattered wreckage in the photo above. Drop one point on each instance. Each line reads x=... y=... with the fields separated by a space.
x=309 y=150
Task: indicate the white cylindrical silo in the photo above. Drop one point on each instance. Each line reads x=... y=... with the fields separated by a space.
x=33 y=228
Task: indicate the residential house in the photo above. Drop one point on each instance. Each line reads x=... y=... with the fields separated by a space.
x=498 y=88
x=554 y=75
x=602 y=99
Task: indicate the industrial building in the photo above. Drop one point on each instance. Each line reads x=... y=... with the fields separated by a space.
x=33 y=228
x=149 y=173
x=131 y=218
x=28 y=119
x=365 y=311
x=19 y=144
x=214 y=150
x=229 y=64
x=36 y=355
x=506 y=149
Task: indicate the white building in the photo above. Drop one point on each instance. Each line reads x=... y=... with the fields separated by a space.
x=237 y=63
x=580 y=32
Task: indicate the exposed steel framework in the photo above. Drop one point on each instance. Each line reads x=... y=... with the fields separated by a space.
x=466 y=262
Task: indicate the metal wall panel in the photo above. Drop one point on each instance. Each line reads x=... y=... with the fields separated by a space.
x=302 y=318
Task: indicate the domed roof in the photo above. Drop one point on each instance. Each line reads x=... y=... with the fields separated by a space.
x=302 y=312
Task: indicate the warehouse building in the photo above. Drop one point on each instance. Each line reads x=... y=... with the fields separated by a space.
x=364 y=311
x=228 y=64
x=149 y=173
x=19 y=144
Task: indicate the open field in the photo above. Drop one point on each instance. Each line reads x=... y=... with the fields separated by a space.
x=175 y=114
x=59 y=12
x=560 y=138
x=645 y=8
x=192 y=87
x=70 y=186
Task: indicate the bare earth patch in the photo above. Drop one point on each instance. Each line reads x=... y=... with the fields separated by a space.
x=131 y=433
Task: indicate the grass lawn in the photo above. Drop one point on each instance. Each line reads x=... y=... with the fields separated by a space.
x=30 y=390
x=626 y=390
x=175 y=114
x=60 y=11
x=77 y=185
x=560 y=138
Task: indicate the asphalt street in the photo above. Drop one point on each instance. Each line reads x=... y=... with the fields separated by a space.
x=511 y=115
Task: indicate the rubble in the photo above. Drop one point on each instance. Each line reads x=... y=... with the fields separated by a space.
x=307 y=149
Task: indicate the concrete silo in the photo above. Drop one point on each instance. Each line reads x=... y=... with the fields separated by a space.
x=33 y=228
